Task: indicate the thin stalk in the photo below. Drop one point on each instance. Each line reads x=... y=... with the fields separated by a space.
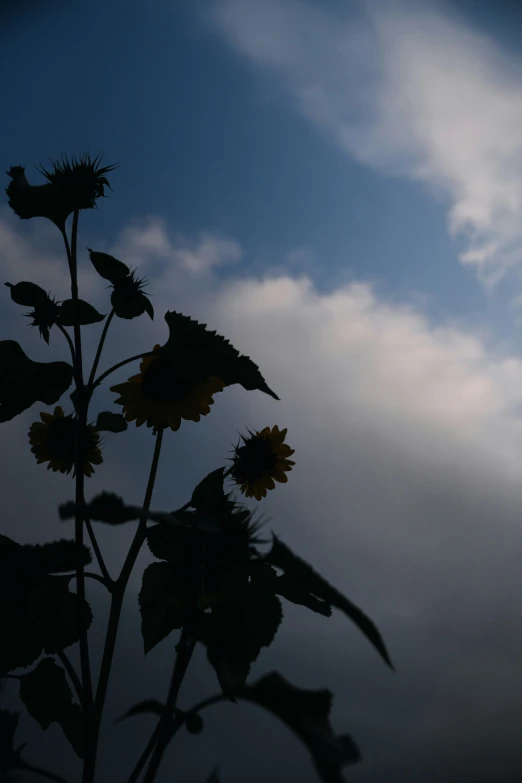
x=70 y=342
x=120 y=586
x=109 y=582
x=81 y=423
x=100 y=347
x=117 y=367
x=183 y=657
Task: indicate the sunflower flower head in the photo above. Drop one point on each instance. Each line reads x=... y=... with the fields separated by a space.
x=128 y=299
x=161 y=397
x=45 y=310
x=53 y=441
x=262 y=460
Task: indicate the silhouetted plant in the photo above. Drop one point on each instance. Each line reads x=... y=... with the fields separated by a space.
x=210 y=581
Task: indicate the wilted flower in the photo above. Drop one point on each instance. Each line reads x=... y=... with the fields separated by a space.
x=128 y=299
x=161 y=397
x=45 y=312
x=262 y=459
x=53 y=441
x=72 y=185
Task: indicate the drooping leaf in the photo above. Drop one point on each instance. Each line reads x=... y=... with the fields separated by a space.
x=157 y=600
x=108 y=421
x=27 y=294
x=214 y=776
x=209 y=495
x=78 y=313
x=108 y=267
x=307 y=714
x=297 y=594
x=198 y=353
x=24 y=382
x=149 y=706
x=302 y=574
x=109 y=508
x=236 y=631
x=48 y=699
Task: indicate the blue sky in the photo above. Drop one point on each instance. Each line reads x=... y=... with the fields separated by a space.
x=337 y=188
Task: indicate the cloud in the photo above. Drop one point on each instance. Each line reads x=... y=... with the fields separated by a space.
x=149 y=238
x=410 y=90
x=405 y=494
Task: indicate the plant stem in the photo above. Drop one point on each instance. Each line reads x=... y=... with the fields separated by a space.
x=68 y=338
x=185 y=649
x=109 y=582
x=120 y=586
x=100 y=347
x=117 y=367
x=40 y=771
x=79 y=457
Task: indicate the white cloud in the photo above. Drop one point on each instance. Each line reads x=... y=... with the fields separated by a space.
x=405 y=494
x=410 y=90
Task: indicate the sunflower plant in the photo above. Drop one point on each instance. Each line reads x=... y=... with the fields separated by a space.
x=211 y=582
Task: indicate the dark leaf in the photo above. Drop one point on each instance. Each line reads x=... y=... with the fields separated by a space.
x=143 y=707
x=209 y=495
x=108 y=267
x=48 y=699
x=297 y=594
x=236 y=631
x=159 y=614
x=109 y=508
x=108 y=421
x=55 y=610
x=78 y=313
x=24 y=382
x=28 y=294
x=214 y=776
x=307 y=714
x=199 y=353
x=303 y=575
x=54 y=557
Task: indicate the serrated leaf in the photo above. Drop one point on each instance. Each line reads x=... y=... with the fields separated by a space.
x=198 y=353
x=108 y=421
x=307 y=714
x=143 y=707
x=159 y=615
x=108 y=267
x=78 y=313
x=27 y=294
x=55 y=608
x=301 y=573
x=55 y=557
x=24 y=382
x=48 y=699
x=236 y=631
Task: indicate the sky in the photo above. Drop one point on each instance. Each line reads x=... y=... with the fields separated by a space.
x=335 y=187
